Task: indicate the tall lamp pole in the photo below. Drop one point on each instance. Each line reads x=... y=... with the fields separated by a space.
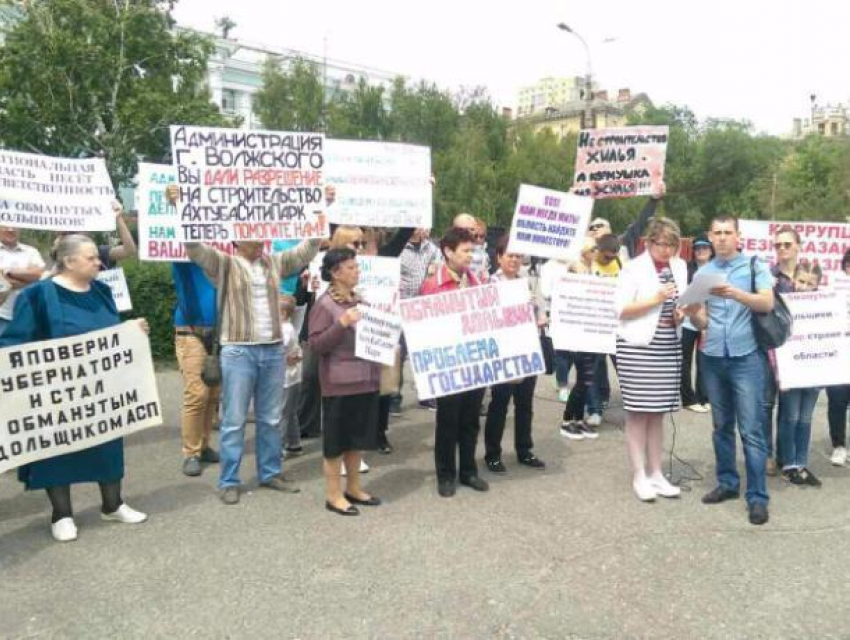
x=588 y=78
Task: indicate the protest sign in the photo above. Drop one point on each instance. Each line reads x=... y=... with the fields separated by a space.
x=549 y=224
x=379 y=184
x=378 y=285
x=822 y=242
x=841 y=284
x=69 y=394
x=249 y=185
x=618 y=163
x=377 y=335
x=583 y=317
x=471 y=338
x=818 y=352
x=118 y=284
x=58 y=194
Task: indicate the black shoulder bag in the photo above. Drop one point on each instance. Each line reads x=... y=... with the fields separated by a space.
x=772 y=329
x=211 y=373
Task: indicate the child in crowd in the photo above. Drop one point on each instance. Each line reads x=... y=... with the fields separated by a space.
x=290 y=428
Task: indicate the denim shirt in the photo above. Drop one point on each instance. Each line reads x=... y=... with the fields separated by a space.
x=730 y=329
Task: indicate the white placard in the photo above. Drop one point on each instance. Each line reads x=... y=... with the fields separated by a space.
x=549 y=224
x=471 y=338
x=818 y=352
x=379 y=184
x=117 y=282
x=378 y=285
x=249 y=185
x=583 y=314
x=65 y=395
x=699 y=290
x=377 y=335
x=822 y=242
x=57 y=194
x=841 y=284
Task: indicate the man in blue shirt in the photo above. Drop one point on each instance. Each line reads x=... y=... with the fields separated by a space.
x=734 y=367
x=194 y=324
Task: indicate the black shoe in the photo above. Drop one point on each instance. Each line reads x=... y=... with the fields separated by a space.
x=372 y=501
x=294 y=452
x=350 y=511
x=384 y=445
x=758 y=513
x=476 y=483
x=430 y=405
x=531 y=460
x=807 y=478
x=192 y=466
x=719 y=494
x=210 y=456
x=395 y=407
x=446 y=488
x=496 y=466
x=306 y=435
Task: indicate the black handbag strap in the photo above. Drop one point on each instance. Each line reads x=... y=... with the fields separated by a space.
x=220 y=305
x=753 y=274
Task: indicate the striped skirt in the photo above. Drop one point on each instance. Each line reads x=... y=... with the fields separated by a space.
x=650 y=376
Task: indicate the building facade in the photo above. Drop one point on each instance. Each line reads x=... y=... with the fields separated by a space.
x=830 y=121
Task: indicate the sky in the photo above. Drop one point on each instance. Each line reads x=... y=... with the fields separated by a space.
x=756 y=60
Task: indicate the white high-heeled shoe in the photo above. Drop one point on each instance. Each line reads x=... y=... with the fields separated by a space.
x=64 y=530
x=664 y=488
x=644 y=490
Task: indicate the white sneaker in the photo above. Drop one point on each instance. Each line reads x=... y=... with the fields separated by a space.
x=64 y=530
x=839 y=456
x=663 y=487
x=697 y=408
x=644 y=490
x=364 y=468
x=564 y=394
x=594 y=420
x=125 y=515
x=707 y=407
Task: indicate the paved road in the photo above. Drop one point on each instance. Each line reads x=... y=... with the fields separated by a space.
x=568 y=552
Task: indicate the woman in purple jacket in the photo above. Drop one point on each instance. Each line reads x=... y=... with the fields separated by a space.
x=349 y=385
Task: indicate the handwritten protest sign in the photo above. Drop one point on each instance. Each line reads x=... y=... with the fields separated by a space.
x=377 y=334
x=378 y=284
x=822 y=242
x=59 y=194
x=841 y=284
x=117 y=282
x=65 y=395
x=158 y=220
x=471 y=338
x=549 y=224
x=583 y=317
x=379 y=184
x=249 y=185
x=818 y=351
x=618 y=163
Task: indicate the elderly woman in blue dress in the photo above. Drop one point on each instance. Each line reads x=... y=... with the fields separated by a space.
x=70 y=303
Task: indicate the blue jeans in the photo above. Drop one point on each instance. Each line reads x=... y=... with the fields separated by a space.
x=3 y=324
x=251 y=371
x=562 y=361
x=596 y=395
x=735 y=387
x=796 y=407
x=769 y=401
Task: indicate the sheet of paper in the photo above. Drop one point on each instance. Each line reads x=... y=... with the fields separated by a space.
x=699 y=289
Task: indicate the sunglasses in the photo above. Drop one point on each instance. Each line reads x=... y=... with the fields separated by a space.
x=594 y=227
x=783 y=245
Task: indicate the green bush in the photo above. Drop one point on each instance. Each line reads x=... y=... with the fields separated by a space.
x=153 y=296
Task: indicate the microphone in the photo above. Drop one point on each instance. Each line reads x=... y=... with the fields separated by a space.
x=666 y=276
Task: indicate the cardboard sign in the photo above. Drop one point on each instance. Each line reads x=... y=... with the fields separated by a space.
x=379 y=184
x=818 y=352
x=583 y=314
x=57 y=194
x=118 y=284
x=249 y=185
x=471 y=338
x=822 y=242
x=549 y=224
x=620 y=163
x=70 y=394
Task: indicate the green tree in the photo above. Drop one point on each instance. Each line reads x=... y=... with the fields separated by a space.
x=101 y=78
x=290 y=100
x=359 y=115
x=813 y=182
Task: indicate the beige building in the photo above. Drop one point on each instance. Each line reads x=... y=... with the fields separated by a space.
x=829 y=121
x=563 y=118
x=550 y=93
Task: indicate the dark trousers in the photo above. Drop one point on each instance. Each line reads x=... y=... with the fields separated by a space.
x=384 y=417
x=586 y=371
x=839 y=398
x=691 y=394
x=310 y=402
x=494 y=427
x=457 y=431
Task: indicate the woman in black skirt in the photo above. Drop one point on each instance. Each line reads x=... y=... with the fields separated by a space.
x=349 y=384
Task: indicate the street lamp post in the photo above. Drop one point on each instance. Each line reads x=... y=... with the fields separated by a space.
x=587 y=118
